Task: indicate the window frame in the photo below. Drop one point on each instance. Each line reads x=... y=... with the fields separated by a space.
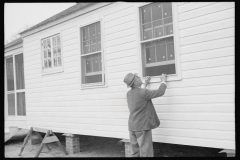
x=52 y=70
x=177 y=52
x=104 y=79
x=15 y=91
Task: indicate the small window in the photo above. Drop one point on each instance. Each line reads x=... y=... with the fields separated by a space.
x=91 y=54
x=157 y=39
x=51 y=52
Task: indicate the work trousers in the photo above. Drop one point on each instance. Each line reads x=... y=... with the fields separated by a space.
x=141 y=143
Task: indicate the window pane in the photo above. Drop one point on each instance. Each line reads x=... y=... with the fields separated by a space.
x=55 y=62
x=59 y=61
x=54 y=52
x=21 y=107
x=96 y=60
x=19 y=71
x=161 y=53
x=44 y=44
x=98 y=31
x=167 y=10
x=88 y=65
x=54 y=41
x=45 y=64
x=49 y=53
x=159 y=70
x=86 y=47
x=98 y=44
x=147 y=31
x=92 y=31
x=146 y=14
x=156 y=11
x=49 y=63
x=59 y=49
x=10 y=78
x=58 y=40
x=48 y=43
x=170 y=51
x=93 y=45
x=45 y=54
x=150 y=55
x=168 y=29
x=158 y=28
x=94 y=78
x=85 y=34
x=11 y=104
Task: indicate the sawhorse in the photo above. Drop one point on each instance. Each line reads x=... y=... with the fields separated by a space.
x=47 y=139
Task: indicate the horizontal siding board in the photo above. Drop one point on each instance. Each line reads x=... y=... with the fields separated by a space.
x=208 y=18
x=215 y=7
x=120 y=27
x=208 y=54
x=69 y=42
x=120 y=34
x=208 y=63
x=72 y=29
x=70 y=47
x=69 y=36
x=123 y=67
x=32 y=48
x=192 y=6
x=218 y=25
x=121 y=20
x=119 y=74
x=117 y=12
x=120 y=41
x=122 y=47
x=213 y=126
x=209 y=72
x=122 y=54
x=196 y=133
x=227 y=144
x=122 y=61
x=220 y=43
x=219 y=34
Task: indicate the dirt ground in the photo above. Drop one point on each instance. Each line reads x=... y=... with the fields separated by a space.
x=92 y=146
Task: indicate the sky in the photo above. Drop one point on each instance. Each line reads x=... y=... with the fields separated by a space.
x=18 y=16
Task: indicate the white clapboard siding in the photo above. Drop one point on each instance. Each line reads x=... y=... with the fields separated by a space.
x=209 y=9
x=226 y=23
x=209 y=18
x=192 y=6
x=195 y=110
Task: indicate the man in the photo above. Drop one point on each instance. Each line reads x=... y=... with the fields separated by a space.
x=143 y=117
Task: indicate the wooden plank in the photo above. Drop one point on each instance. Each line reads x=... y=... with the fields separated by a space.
x=120 y=74
x=218 y=25
x=50 y=139
x=114 y=56
x=122 y=47
x=209 y=63
x=120 y=68
x=70 y=42
x=215 y=7
x=37 y=129
x=69 y=36
x=40 y=137
x=61 y=147
x=209 y=18
x=42 y=144
x=25 y=141
x=209 y=54
x=192 y=5
x=219 y=34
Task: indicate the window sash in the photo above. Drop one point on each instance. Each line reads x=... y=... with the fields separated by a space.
x=143 y=41
x=91 y=33
x=55 y=50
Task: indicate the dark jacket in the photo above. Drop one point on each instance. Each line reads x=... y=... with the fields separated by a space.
x=142 y=113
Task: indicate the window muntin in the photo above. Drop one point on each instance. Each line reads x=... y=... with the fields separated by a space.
x=15 y=85
x=157 y=39
x=91 y=56
x=51 y=50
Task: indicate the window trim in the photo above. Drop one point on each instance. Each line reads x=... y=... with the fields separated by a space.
x=97 y=84
x=15 y=91
x=52 y=70
x=156 y=79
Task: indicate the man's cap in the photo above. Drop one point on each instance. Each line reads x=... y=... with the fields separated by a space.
x=129 y=79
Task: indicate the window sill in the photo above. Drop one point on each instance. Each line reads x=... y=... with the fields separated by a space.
x=156 y=79
x=93 y=85
x=52 y=71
